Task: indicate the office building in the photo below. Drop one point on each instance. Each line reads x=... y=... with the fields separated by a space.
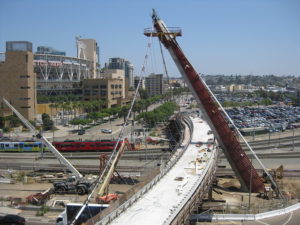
x=110 y=87
x=18 y=79
x=122 y=64
x=136 y=82
x=155 y=84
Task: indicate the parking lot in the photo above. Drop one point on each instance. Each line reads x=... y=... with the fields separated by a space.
x=274 y=118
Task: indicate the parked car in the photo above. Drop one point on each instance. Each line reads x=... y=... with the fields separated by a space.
x=12 y=219
x=106 y=131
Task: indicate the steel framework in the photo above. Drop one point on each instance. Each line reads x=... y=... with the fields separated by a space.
x=61 y=68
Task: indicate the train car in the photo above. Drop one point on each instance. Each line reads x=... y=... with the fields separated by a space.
x=86 y=146
x=65 y=146
x=20 y=146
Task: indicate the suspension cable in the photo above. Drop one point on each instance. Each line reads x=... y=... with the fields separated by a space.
x=246 y=142
x=165 y=66
x=109 y=161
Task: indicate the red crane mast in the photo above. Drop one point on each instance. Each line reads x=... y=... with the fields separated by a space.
x=228 y=141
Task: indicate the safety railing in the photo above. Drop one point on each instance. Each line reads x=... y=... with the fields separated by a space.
x=197 y=192
x=259 y=216
x=112 y=215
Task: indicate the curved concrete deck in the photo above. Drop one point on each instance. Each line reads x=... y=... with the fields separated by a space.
x=169 y=195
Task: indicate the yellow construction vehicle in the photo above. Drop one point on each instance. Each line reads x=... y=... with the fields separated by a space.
x=103 y=196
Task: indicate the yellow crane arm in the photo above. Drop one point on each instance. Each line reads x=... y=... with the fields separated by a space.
x=104 y=187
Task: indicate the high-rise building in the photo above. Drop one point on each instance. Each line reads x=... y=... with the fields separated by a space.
x=122 y=64
x=18 y=79
x=88 y=49
x=136 y=82
x=155 y=84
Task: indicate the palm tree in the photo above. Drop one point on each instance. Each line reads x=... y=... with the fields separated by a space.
x=51 y=106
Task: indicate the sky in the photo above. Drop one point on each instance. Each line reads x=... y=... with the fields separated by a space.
x=244 y=37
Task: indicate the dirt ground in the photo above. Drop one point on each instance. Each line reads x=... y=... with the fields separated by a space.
x=238 y=202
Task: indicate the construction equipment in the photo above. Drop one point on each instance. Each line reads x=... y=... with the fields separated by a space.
x=236 y=156
x=155 y=140
x=103 y=196
x=39 y=198
x=275 y=173
x=76 y=183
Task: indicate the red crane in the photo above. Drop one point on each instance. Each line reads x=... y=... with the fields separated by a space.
x=232 y=148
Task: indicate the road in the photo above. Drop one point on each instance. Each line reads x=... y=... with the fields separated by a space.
x=93 y=133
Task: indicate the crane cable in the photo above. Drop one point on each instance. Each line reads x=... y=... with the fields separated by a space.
x=165 y=66
x=246 y=142
x=119 y=137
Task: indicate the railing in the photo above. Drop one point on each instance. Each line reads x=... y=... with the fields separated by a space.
x=195 y=196
x=247 y=217
x=170 y=30
x=112 y=215
x=257 y=208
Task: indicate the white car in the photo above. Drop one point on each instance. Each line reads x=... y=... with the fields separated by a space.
x=106 y=131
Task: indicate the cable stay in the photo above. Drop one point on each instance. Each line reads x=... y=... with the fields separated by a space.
x=165 y=67
x=114 y=154
x=236 y=156
x=273 y=182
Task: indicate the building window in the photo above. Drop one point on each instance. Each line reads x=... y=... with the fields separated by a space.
x=25 y=107
x=24 y=76
x=87 y=92
x=25 y=98
x=26 y=58
x=112 y=86
x=103 y=86
x=25 y=87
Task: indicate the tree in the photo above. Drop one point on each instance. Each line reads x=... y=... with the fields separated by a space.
x=47 y=122
x=143 y=93
x=13 y=120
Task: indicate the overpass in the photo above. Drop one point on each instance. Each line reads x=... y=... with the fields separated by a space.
x=173 y=194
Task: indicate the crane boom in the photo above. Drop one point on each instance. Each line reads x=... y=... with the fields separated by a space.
x=57 y=154
x=232 y=149
x=103 y=189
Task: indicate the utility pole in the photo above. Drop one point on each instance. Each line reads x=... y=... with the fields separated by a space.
x=269 y=137
x=293 y=138
x=250 y=187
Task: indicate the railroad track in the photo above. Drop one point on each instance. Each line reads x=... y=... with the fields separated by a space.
x=59 y=168
x=129 y=155
x=224 y=172
x=277 y=140
x=274 y=155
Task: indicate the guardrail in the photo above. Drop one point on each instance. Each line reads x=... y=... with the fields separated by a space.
x=108 y=218
x=195 y=196
x=253 y=217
